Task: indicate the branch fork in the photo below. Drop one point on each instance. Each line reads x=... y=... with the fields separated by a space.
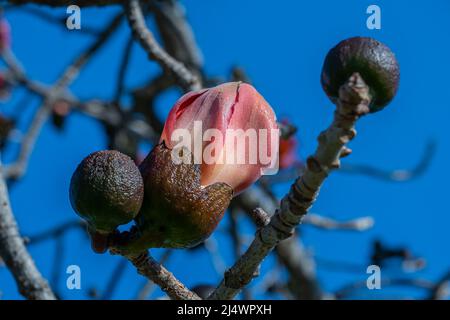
x=353 y=103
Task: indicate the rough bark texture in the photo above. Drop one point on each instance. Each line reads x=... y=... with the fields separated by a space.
x=150 y=268
x=30 y=282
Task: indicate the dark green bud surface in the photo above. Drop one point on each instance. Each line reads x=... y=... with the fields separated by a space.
x=107 y=190
x=373 y=60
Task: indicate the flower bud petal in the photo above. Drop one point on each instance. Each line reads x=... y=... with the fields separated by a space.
x=245 y=123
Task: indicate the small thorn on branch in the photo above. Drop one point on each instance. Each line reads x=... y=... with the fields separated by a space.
x=260 y=217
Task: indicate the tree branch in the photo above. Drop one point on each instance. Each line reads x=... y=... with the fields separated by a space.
x=176 y=34
x=186 y=79
x=30 y=282
x=150 y=268
x=18 y=168
x=358 y=224
x=291 y=253
x=353 y=103
x=149 y=285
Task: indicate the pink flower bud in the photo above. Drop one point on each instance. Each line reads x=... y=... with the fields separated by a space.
x=231 y=132
x=5 y=34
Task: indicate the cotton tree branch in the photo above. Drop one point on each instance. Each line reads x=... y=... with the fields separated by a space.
x=261 y=218
x=301 y=266
x=358 y=224
x=70 y=74
x=59 y=21
x=397 y=175
x=186 y=79
x=113 y=281
x=120 y=86
x=18 y=168
x=56 y=232
x=150 y=268
x=29 y=280
x=96 y=109
x=237 y=239
x=353 y=103
x=145 y=96
x=302 y=283
x=149 y=285
x=291 y=253
x=212 y=248
x=177 y=35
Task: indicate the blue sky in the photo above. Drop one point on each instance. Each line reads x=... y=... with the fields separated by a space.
x=281 y=46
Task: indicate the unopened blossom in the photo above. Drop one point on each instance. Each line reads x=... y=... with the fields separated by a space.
x=232 y=133
x=188 y=179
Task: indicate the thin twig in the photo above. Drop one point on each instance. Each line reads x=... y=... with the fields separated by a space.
x=176 y=34
x=56 y=232
x=29 y=280
x=72 y=71
x=114 y=279
x=18 y=168
x=353 y=103
x=212 y=248
x=149 y=285
x=144 y=100
x=397 y=175
x=150 y=268
x=186 y=79
x=59 y=21
x=260 y=217
x=358 y=224
x=58 y=264
x=123 y=71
